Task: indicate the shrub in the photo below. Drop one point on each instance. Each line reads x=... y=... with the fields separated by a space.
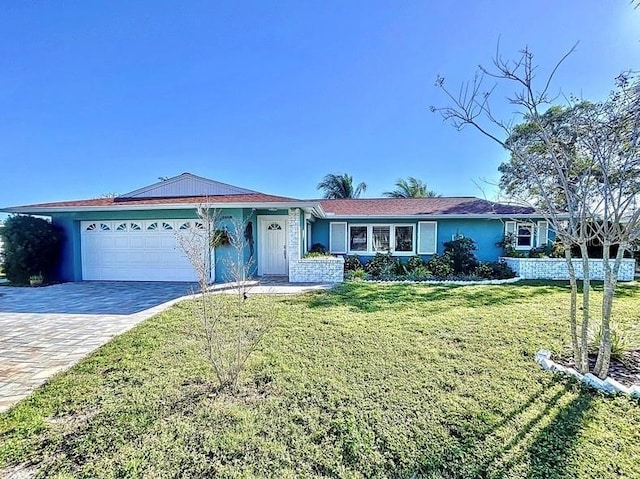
x=441 y=266
x=356 y=275
x=483 y=270
x=352 y=262
x=382 y=266
x=413 y=263
x=501 y=270
x=508 y=245
x=620 y=344
x=318 y=248
x=32 y=246
x=419 y=273
x=461 y=253
x=316 y=254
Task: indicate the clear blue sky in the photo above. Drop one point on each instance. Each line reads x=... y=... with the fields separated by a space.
x=99 y=97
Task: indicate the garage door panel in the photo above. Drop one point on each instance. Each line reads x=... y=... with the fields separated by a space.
x=120 y=251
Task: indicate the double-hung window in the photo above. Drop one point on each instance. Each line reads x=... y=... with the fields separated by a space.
x=527 y=235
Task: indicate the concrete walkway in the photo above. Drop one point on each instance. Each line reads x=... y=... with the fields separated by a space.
x=44 y=331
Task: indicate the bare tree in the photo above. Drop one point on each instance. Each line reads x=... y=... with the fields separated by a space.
x=577 y=165
x=231 y=328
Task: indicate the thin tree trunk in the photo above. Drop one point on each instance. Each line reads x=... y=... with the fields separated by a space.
x=610 y=280
x=573 y=321
x=584 y=329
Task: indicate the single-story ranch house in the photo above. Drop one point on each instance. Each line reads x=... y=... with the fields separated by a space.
x=133 y=236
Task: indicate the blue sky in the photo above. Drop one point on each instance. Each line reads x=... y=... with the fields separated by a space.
x=105 y=97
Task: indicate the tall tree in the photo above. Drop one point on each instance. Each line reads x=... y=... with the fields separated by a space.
x=578 y=165
x=340 y=187
x=410 y=188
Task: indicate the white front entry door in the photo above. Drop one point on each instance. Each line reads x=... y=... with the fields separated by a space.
x=272 y=258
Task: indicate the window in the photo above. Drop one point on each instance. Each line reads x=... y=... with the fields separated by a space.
x=371 y=239
x=427 y=237
x=358 y=238
x=523 y=234
x=274 y=227
x=381 y=239
x=152 y=227
x=542 y=235
x=121 y=227
x=338 y=238
x=309 y=238
x=185 y=226
x=404 y=239
x=134 y=227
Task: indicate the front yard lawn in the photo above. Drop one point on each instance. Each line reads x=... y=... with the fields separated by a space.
x=365 y=381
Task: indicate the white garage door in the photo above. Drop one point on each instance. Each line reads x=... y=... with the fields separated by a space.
x=135 y=250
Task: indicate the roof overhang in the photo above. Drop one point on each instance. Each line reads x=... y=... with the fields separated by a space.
x=442 y=216
x=310 y=207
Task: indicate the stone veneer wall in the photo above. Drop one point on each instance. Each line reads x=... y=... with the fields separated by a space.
x=309 y=270
x=316 y=270
x=556 y=268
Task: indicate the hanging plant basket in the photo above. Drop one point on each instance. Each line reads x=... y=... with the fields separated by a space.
x=220 y=237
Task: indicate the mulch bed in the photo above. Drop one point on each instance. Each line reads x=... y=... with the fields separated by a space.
x=626 y=372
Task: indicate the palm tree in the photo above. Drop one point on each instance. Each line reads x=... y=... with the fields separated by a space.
x=410 y=188
x=340 y=186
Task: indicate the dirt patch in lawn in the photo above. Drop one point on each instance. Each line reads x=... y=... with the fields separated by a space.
x=625 y=370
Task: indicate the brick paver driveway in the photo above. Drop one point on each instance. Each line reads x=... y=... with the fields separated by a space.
x=46 y=330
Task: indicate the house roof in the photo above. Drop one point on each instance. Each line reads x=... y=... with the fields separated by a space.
x=438 y=206
x=248 y=200
x=188 y=190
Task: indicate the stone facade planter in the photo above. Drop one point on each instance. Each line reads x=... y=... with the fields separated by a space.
x=556 y=268
x=316 y=270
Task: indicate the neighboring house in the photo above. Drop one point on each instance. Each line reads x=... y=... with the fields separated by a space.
x=133 y=236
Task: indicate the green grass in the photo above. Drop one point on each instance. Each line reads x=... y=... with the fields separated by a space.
x=366 y=381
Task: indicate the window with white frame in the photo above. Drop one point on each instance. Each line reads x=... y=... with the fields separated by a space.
x=358 y=238
x=369 y=239
x=527 y=235
x=524 y=236
x=427 y=237
x=404 y=239
x=381 y=239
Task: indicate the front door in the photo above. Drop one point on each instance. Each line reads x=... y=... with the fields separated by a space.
x=273 y=246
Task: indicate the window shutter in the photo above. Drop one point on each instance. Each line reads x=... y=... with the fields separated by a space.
x=509 y=228
x=338 y=238
x=542 y=234
x=427 y=237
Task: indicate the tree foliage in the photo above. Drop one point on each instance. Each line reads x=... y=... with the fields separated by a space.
x=410 y=188
x=340 y=187
x=32 y=246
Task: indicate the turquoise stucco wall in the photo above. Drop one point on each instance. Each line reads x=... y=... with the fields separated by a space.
x=485 y=232
x=71 y=263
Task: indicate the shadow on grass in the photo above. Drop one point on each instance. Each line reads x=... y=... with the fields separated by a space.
x=367 y=297
x=549 y=451
x=545 y=450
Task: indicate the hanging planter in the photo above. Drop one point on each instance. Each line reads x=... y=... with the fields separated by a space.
x=220 y=237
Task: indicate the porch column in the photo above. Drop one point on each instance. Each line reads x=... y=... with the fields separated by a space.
x=293 y=235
